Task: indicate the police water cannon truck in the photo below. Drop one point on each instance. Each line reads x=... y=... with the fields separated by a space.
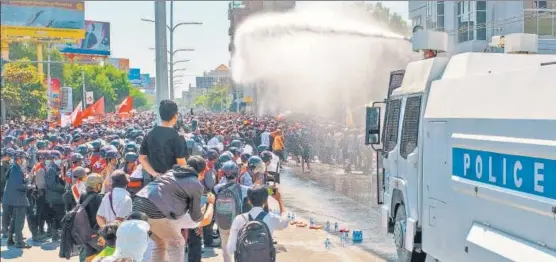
x=468 y=153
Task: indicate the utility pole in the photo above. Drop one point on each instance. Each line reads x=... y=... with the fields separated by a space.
x=171 y=50
x=161 y=53
x=84 y=95
x=48 y=80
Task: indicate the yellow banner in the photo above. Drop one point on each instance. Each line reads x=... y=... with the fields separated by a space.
x=40 y=32
x=248 y=99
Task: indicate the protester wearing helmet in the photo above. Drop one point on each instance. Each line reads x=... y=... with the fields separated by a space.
x=39 y=171
x=95 y=156
x=135 y=173
x=227 y=185
x=41 y=145
x=31 y=151
x=236 y=154
x=112 y=162
x=15 y=202
x=55 y=188
x=223 y=158
x=131 y=147
x=244 y=176
x=5 y=165
x=116 y=143
x=256 y=169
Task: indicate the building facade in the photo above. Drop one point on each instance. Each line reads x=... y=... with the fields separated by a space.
x=239 y=10
x=471 y=24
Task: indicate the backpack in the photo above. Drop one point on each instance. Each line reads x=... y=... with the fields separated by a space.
x=77 y=223
x=229 y=204
x=254 y=242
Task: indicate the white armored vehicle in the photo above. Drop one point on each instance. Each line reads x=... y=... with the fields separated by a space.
x=469 y=154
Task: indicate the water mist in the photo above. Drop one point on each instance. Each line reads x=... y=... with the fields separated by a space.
x=318 y=61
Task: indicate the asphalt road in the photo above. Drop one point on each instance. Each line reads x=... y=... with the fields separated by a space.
x=326 y=194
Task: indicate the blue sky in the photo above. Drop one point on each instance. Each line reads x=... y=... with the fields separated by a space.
x=131 y=38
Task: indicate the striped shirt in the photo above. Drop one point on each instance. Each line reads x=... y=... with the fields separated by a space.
x=144 y=205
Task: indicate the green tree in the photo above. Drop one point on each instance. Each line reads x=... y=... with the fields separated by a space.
x=28 y=50
x=216 y=99
x=23 y=93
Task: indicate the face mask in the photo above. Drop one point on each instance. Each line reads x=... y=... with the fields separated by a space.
x=48 y=162
x=24 y=163
x=58 y=162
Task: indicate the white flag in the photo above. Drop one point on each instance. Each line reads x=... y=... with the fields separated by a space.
x=77 y=109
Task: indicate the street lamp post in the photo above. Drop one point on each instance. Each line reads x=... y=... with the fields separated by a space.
x=172 y=28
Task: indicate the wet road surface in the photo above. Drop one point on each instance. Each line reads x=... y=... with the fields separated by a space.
x=327 y=194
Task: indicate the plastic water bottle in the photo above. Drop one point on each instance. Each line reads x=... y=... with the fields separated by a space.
x=343 y=239
x=327 y=226
x=336 y=227
x=289 y=216
x=293 y=216
x=327 y=243
x=311 y=222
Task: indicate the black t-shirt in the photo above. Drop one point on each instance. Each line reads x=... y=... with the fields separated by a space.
x=162 y=146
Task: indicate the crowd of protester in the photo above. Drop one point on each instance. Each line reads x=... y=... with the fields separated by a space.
x=134 y=190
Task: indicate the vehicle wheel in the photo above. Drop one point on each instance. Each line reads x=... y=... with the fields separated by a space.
x=404 y=255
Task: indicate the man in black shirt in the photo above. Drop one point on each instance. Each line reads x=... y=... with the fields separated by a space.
x=163 y=147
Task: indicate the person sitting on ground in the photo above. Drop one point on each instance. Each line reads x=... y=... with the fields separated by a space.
x=131 y=242
x=258 y=197
x=108 y=233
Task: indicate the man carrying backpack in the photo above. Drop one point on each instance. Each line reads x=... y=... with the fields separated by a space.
x=251 y=231
x=230 y=202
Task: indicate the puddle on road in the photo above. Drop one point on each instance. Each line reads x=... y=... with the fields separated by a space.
x=346 y=199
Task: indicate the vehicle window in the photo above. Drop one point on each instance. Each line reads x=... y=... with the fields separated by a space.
x=390 y=137
x=410 y=127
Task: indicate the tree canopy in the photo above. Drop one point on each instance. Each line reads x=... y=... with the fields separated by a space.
x=216 y=99
x=25 y=94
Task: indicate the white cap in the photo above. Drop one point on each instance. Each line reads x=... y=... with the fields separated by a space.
x=132 y=239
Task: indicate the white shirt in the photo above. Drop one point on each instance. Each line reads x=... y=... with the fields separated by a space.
x=121 y=201
x=265 y=139
x=274 y=222
x=213 y=142
x=247 y=149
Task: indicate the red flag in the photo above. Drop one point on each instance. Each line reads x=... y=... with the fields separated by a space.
x=126 y=106
x=99 y=107
x=95 y=109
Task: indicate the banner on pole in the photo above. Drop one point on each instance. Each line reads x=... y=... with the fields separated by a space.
x=89 y=98
x=67 y=100
x=54 y=102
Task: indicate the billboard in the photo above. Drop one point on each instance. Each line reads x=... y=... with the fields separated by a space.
x=54 y=102
x=43 y=19
x=95 y=42
x=134 y=76
x=121 y=63
x=205 y=81
x=145 y=80
x=67 y=100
